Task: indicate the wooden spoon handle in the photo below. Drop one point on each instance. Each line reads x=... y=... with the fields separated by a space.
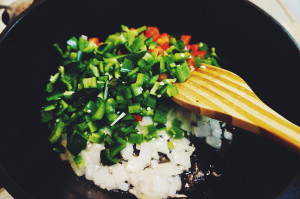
x=223 y=95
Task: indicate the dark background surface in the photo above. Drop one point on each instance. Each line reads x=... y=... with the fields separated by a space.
x=250 y=43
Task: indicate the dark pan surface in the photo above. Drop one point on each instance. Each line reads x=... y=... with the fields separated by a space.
x=250 y=43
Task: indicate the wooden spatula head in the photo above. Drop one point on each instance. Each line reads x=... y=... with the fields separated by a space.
x=223 y=95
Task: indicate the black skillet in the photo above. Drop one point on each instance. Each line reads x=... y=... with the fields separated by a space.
x=249 y=41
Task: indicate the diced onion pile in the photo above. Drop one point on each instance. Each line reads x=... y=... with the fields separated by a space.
x=144 y=174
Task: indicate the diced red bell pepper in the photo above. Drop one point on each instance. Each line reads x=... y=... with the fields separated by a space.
x=186 y=39
x=153 y=50
x=152 y=32
x=194 y=48
x=95 y=40
x=162 y=76
x=137 y=118
x=157 y=50
x=165 y=46
x=163 y=40
x=201 y=53
x=191 y=63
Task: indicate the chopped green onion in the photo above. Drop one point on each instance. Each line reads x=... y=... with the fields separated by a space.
x=134 y=108
x=182 y=72
x=136 y=138
x=97 y=137
x=76 y=143
x=59 y=127
x=49 y=107
x=160 y=116
x=171 y=90
x=55 y=96
x=79 y=161
x=136 y=89
x=179 y=57
x=152 y=132
x=72 y=42
x=89 y=82
x=127 y=65
x=175 y=132
x=99 y=113
x=107 y=158
x=54 y=78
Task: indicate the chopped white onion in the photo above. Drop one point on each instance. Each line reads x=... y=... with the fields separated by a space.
x=217 y=133
x=168 y=169
x=214 y=141
x=144 y=175
x=147 y=120
x=201 y=131
x=227 y=135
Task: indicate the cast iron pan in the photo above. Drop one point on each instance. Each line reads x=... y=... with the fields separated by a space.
x=250 y=43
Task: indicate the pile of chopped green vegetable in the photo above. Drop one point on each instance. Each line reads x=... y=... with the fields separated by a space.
x=103 y=89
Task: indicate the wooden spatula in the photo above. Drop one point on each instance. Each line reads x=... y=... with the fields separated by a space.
x=223 y=95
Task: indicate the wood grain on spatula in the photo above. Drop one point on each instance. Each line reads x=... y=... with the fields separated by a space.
x=223 y=95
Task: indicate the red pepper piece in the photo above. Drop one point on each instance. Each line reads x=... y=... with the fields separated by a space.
x=157 y=50
x=152 y=32
x=162 y=76
x=186 y=39
x=137 y=118
x=201 y=53
x=95 y=40
x=194 y=48
x=165 y=46
x=191 y=63
x=163 y=40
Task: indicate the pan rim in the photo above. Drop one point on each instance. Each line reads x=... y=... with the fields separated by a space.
x=37 y=3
